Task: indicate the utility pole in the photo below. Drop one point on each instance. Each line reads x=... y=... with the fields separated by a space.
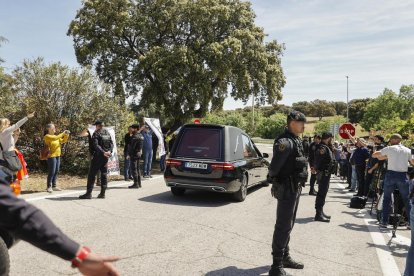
x=347 y=100
x=253 y=111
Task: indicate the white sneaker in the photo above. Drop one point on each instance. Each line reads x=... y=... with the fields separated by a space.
x=56 y=189
x=49 y=190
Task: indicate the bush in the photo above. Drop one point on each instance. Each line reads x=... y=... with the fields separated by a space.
x=70 y=98
x=272 y=126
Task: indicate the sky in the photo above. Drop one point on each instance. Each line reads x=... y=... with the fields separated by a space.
x=371 y=41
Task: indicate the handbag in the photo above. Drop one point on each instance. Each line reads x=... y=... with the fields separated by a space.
x=11 y=160
x=44 y=152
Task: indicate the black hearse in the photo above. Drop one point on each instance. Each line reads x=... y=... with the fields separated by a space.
x=216 y=158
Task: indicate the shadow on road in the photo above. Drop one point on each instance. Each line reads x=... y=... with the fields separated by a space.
x=65 y=198
x=190 y=198
x=304 y=220
x=234 y=271
x=397 y=250
x=195 y=198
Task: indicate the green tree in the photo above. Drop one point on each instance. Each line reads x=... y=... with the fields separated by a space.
x=184 y=56
x=70 y=98
x=2 y=40
x=304 y=107
x=407 y=101
x=272 y=126
x=385 y=106
x=357 y=109
x=340 y=108
x=325 y=124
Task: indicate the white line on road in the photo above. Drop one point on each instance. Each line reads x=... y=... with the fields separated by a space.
x=124 y=183
x=388 y=265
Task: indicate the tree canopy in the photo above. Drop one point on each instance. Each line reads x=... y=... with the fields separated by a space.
x=183 y=56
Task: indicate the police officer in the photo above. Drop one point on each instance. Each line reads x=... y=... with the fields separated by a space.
x=312 y=149
x=134 y=152
x=287 y=172
x=324 y=165
x=103 y=144
x=30 y=224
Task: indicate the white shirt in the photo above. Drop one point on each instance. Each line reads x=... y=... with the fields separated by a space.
x=6 y=136
x=398 y=157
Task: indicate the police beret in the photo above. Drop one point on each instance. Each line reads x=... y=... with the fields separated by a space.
x=296 y=116
x=136 y=126
x=98 y=123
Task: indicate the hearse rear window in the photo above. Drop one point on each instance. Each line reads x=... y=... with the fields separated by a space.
x=200 y=143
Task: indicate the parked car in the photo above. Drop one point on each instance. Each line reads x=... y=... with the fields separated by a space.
x=7 y=240
x=215 y=158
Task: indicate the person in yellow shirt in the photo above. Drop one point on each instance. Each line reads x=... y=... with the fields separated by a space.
x=54 y=142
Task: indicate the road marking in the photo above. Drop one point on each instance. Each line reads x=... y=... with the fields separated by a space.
x=388 y=264
x=124 y=183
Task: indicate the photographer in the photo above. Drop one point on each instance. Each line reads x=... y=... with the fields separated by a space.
x=398 y=157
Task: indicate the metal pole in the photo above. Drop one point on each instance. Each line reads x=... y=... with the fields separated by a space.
x=347 y=100
x=253 y=111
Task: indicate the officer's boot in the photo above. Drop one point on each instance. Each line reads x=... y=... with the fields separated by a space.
x=325 y=215
x=312 y=192
x=320 y=217
x=104 y=185
x=277 y=268
x=288 y=262
x=135 y=185
x=102 y=193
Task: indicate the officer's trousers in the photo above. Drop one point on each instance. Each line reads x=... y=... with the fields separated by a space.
x=285 y=220
x=312 y=181
x=134 y=166
x=98 y=163
x=323 y=187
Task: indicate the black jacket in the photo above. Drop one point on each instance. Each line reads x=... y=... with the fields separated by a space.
x=135 y=146
x=28 y=223
x=102 y=142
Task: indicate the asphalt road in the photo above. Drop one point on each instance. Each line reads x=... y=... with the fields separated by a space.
x=204 y=233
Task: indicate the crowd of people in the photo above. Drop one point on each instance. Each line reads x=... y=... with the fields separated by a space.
x=372 y=168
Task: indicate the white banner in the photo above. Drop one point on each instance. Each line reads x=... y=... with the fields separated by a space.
x=155 y=126
x=113 y=162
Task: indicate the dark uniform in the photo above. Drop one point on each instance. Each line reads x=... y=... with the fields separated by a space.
x=324 y=165
x=28 y=223
x=312 y=149
x=102 y=143
x=91 y=153
x=134 y=152
x=288 y=171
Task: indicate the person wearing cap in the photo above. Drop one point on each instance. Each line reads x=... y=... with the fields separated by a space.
x=103 y=144
x=312 y=149
x=324 y=165
x=288 y=171
x=398 y=157
x=134 y=153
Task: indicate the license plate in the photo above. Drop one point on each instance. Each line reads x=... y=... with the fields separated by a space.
x=196 y=166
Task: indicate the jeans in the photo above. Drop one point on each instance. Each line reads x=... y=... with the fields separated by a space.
x=394 y=180
x=147 y=162
x=162 y=162
x=409 y=266
x=354 y=178
x=127 y=169
x=53 y=166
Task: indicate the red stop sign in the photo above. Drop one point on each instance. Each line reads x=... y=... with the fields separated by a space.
x=344 y=128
